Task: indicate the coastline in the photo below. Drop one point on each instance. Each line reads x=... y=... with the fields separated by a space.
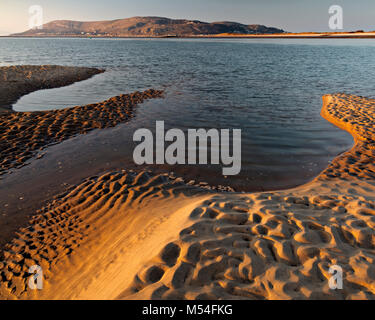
x=270 y=245
x=303 y=35
x=25 y=135
x=141 y=235
x=42 y=128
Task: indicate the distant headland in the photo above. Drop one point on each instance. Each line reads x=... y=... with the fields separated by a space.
x=160 y=27
x=146 y=27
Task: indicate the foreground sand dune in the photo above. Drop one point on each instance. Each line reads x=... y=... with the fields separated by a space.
x=137 y=236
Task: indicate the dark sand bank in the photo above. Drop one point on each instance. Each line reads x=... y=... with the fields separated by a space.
x=22 y=134
x=16 y=81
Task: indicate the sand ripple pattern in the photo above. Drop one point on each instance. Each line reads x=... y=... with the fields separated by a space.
x=355 y=115
x=274 y=245
x=266 y=246
x=23 y=134
x=281 y=245
x=77 y=219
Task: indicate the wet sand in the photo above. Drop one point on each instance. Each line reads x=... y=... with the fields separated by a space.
x=128 y=235
x=26 y=135
x=16 y=81
x=142 y=235
x=23 y=134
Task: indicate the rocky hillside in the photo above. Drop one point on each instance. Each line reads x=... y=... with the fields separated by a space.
x=146 y=27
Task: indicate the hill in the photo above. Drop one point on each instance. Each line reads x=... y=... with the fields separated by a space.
x=146 y=27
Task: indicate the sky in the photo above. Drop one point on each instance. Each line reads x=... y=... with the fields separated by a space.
x=290 y=15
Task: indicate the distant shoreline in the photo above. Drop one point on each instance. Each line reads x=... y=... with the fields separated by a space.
x=343 y=35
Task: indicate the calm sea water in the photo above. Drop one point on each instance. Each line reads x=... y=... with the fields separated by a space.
x=271 y=89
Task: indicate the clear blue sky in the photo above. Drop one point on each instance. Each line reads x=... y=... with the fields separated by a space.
x=291 y=15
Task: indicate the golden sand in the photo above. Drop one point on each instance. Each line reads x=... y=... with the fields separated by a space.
x=301 y=35
x=137 y=236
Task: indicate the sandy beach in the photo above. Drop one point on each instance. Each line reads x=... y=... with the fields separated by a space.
x=301 y=35
x=139 y=235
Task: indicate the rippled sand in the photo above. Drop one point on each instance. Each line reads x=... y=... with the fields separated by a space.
x=127 y=235
x=23 y=135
